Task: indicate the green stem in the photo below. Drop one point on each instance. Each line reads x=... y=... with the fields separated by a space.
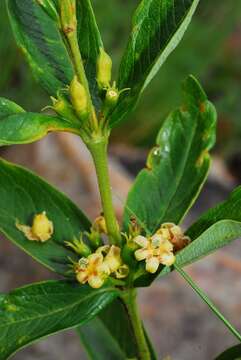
x=129 y=298
x=98 y=149
x=210 y=304
x=80 y=72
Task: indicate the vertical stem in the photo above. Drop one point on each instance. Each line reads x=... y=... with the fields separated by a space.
x=98 y=149
x=129 y=298
x=208 y=302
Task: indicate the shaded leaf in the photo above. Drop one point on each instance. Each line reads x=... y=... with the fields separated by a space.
x=104 y=338
x=234 y=353
x=39 y=310
x=177 y=167
x=229 y=209
x=158 y=26
x=22 y=195
x=37 y=34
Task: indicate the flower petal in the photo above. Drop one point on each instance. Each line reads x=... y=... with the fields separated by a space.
x=141 y=254
x=152 y=264
x=140 y=240
x=96 y=281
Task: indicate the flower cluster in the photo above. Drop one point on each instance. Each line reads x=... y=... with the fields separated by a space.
x=97 y=267
x=159 y=249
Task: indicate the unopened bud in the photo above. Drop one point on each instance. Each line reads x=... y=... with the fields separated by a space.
x=63 y=108
x=104 y=69
x=79 y=247
x=79 y=98
x=68 y=16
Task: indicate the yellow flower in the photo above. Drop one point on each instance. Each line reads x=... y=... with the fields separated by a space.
x=92 y=270
x=155 y=250
x=42 y=228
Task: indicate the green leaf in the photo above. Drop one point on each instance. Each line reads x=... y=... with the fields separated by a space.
x=229 y=209
x=8 y=107
x=38 y=36
x=26 y=128
x=234 y=353
x=177 y=167
x=89 y=43
x=22 y=195
x=110 y=335
x=217 y=236
x=158 y=27
x=39 y=310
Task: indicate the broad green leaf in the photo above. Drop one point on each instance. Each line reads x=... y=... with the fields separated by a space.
x=8 y=107
x=217 y=236
x=38 y=36
x=39 y=310
x=22 y=195
x=234 y=353
x=27 y=127
x=229 y=209
x=104 y=338
x=158 y=26
x=89 y=42
x=177 y=167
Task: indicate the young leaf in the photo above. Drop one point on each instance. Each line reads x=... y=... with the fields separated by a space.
x=89 y=42
x=158 y=27
x=39 y=310
x=217 y=236
x=234 y=353
x=23 y=195
x=229 y=209
x=25 y=128
x=104 y=338
x=177 y=167
x=38 y=36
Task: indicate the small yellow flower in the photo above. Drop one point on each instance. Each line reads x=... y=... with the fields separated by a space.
x=155 y=250
x=92 y=270
x=42 y=228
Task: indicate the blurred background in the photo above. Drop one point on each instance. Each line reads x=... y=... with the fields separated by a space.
x=179 y=323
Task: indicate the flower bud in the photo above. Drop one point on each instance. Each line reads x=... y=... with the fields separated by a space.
x=68 y=16
x=79 y=98
x=42 y=227
x=100 y=225
x=104 y=69
x=63 y=108
x=113 y=259
x=79 y=247
x=111 y=97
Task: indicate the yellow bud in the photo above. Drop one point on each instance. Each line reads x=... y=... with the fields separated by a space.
x=113 y=258
x=100 y=225
x=111 y=98
x=104 y=69
x=79 y=98
x=42 y=227
x=63 y=108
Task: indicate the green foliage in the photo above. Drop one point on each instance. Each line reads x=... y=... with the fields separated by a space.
x=234 y=353
x=177 y=166
x=30 y=313
x=39 y=38
x=20 y=127
x=23 y=195
x=229 y=209
x=59 y=50
x=157 y=29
